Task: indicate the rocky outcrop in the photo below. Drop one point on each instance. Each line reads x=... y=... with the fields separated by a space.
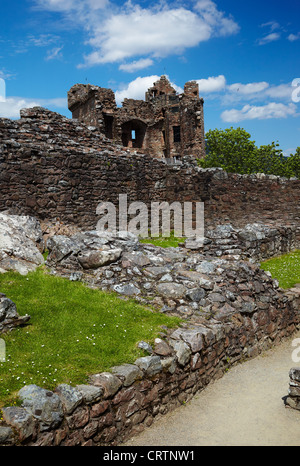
x=21 y=243
x=9 y=317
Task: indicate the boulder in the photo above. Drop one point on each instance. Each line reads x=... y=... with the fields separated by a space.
x=95 y=259
x=70 y=397
x=182 y=350
x=21 y=420
x=193 y=337
x=128 y=373
x=88 y=249
x=127 y=289
x=44 y=405
x=150 y=364
x=108 y=382
x=21 y=243
x=90 y=394
x=9 y=317
x=171 y=290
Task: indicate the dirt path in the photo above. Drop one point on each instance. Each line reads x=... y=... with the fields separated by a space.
x=244 y=408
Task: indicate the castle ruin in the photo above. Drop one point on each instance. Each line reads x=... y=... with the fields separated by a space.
x=57 y=170
x=164 y=125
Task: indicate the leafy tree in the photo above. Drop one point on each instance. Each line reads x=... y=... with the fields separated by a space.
x=270 y=160
x=233 y=150
x=229 y=149
x=293 y=164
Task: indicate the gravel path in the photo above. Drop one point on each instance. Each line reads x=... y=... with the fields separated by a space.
x=243 y=408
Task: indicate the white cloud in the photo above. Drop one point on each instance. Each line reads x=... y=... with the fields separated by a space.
x=54 y=53
x=252 y=112
x=4 y=74
x=288 y=152
x=42 y=40
x=293 y=37
x=224 y=26
x=141 y=32
x=136 y=89
x=211 y=84
x=257 y=91
x=282 y=91
x=273 y=25
x=136 y=65
x=97 y=4
x=120 y=32
x=71 y=5
x=56 y=5
x=249 y=88
x=272 y=36
x=39 y=41
x=11 y=107
x=269 y=38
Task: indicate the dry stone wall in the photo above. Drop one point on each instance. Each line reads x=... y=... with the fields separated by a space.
x=115 y=405
x=231 y=310
x=53 y=167
x=293 y=398
x=255 y=242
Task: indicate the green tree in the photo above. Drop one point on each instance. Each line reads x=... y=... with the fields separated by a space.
x=270 y=160
x=293 y=163
x=234 y=151
x=230 y=149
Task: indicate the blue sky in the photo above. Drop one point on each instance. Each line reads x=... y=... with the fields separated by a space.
x=245 y=56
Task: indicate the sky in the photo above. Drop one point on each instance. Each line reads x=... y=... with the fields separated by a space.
x=243 y=54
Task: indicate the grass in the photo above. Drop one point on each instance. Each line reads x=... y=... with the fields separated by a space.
x=164 y=242
x=285 y=268
x=74 y=331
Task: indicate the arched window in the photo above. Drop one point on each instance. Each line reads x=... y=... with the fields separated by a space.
x=133 y=133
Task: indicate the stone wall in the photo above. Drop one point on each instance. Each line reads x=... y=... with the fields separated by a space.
x=118 y=404
x=53 y=167
x=255 y=241
x=231 y=310
x=293 y=398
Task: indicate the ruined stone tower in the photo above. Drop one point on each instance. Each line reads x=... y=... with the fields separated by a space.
x=165 y=124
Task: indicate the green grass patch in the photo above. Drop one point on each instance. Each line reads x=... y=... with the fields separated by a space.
x=171 y=241
x=74 y=331
x=285 y=268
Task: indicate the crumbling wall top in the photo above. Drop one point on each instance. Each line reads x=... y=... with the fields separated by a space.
x=79 y=94
x=191 y=89
x=161 y=87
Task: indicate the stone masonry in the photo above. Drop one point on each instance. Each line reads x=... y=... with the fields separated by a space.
x=53 y=167
x=165 y=125
x=230 y=308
